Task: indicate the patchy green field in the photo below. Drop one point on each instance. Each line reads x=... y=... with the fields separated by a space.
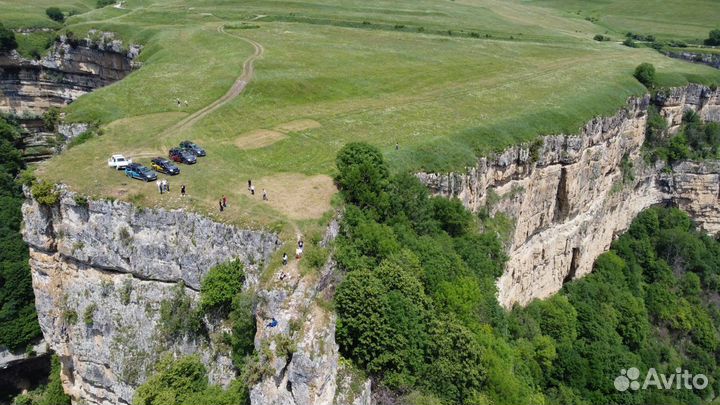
x=686 y=20
x=445 y=80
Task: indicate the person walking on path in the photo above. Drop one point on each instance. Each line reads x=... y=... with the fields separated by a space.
x=159 y=184
x=224 y=201
x=252 y=190
x=285 y=259
x=265 y=197
x=182 y=190
x=221 y=206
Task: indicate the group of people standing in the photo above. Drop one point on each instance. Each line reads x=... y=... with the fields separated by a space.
x=164 y=187
x=298 y=252
x=251 y=189
x=222 y=204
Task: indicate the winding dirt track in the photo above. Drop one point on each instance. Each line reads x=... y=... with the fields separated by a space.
x=237 y=88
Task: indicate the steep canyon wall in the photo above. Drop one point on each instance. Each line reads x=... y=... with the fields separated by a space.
x=118 y=264
x=29 y=88
x=571 y=195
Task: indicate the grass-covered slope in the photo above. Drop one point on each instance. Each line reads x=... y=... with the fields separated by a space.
x=447 y=81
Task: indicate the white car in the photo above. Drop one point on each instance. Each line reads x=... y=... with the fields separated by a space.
x=119 y=162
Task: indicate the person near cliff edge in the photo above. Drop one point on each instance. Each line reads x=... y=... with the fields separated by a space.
x=221 y=206
x=273 y=323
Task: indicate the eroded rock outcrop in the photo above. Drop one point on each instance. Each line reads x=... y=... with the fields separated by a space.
x=70 y=69
x=710 y=59
x=101 y=270
x=570 y=195
x=29 y=88
x=304 y=357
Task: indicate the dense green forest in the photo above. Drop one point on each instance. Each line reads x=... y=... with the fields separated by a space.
x=418 y=311
x=18 y=320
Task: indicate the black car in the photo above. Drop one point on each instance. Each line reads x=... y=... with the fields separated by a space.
x=194 y=148
x=163 y=165
x=140 y=172
x=182 y=156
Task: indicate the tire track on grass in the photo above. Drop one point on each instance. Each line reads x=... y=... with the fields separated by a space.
x=235 y=90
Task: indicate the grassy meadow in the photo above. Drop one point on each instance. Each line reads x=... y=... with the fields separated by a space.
x=445 y=80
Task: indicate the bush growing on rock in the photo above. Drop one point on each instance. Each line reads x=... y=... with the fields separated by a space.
x=221 y=284
x=185 y=381
x=45 y=193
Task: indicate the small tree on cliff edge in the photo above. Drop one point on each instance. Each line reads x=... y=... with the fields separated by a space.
x=7 y=39
x=645 y=73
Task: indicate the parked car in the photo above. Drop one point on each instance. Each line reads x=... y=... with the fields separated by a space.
x=140 y=172
x=119 y=162
x=162 y=165
x=192 y=147
x=182 y=156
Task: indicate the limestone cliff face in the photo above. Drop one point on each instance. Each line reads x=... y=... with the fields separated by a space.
x=308 y=373
x=100 y=272
x=28 y=88
x=710 y=59
x=71 y=69
x=570 y=196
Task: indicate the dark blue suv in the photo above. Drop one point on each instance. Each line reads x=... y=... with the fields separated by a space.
x=140 y=172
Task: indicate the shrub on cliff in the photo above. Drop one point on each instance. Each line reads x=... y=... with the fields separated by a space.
x=45 y=193
x=645 y=73
x=55 y=14
x=7 y=39
x=185 y=381
x=221 y=284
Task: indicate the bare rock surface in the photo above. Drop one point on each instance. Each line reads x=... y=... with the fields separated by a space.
x=101 y=270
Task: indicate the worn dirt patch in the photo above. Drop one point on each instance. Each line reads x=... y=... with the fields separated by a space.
x=296 y=195
x=297 y=126
x=261 y=138
x=258 y=138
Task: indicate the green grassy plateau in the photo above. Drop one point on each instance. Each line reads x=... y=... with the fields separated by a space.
x=446 y=80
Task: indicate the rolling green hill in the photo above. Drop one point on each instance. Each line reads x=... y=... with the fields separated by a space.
x=445 y=80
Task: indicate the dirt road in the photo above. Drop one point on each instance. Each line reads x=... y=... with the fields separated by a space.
x=240 y=83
